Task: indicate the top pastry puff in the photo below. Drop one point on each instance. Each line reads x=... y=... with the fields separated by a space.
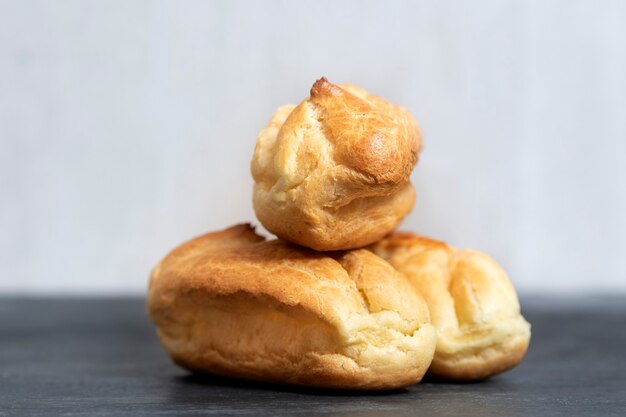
x=333 y=172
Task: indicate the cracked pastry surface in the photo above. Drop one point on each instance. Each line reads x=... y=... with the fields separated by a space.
x=333 y=172
x=232 y=303
x=473 y=305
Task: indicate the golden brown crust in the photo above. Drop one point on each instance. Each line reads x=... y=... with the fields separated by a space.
x=480 y=331
x=234 y=304
x=333 y=172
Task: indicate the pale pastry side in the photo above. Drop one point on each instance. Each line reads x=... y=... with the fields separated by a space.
x=473 y=305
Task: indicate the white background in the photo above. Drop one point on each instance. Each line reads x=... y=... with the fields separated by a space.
x=127 y=127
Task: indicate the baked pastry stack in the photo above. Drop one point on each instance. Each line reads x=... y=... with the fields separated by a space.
x=339 y=300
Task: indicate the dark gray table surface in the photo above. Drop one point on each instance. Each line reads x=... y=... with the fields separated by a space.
x=95 y=357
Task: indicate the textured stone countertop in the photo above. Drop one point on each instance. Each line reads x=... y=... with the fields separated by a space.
x=62 y=357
